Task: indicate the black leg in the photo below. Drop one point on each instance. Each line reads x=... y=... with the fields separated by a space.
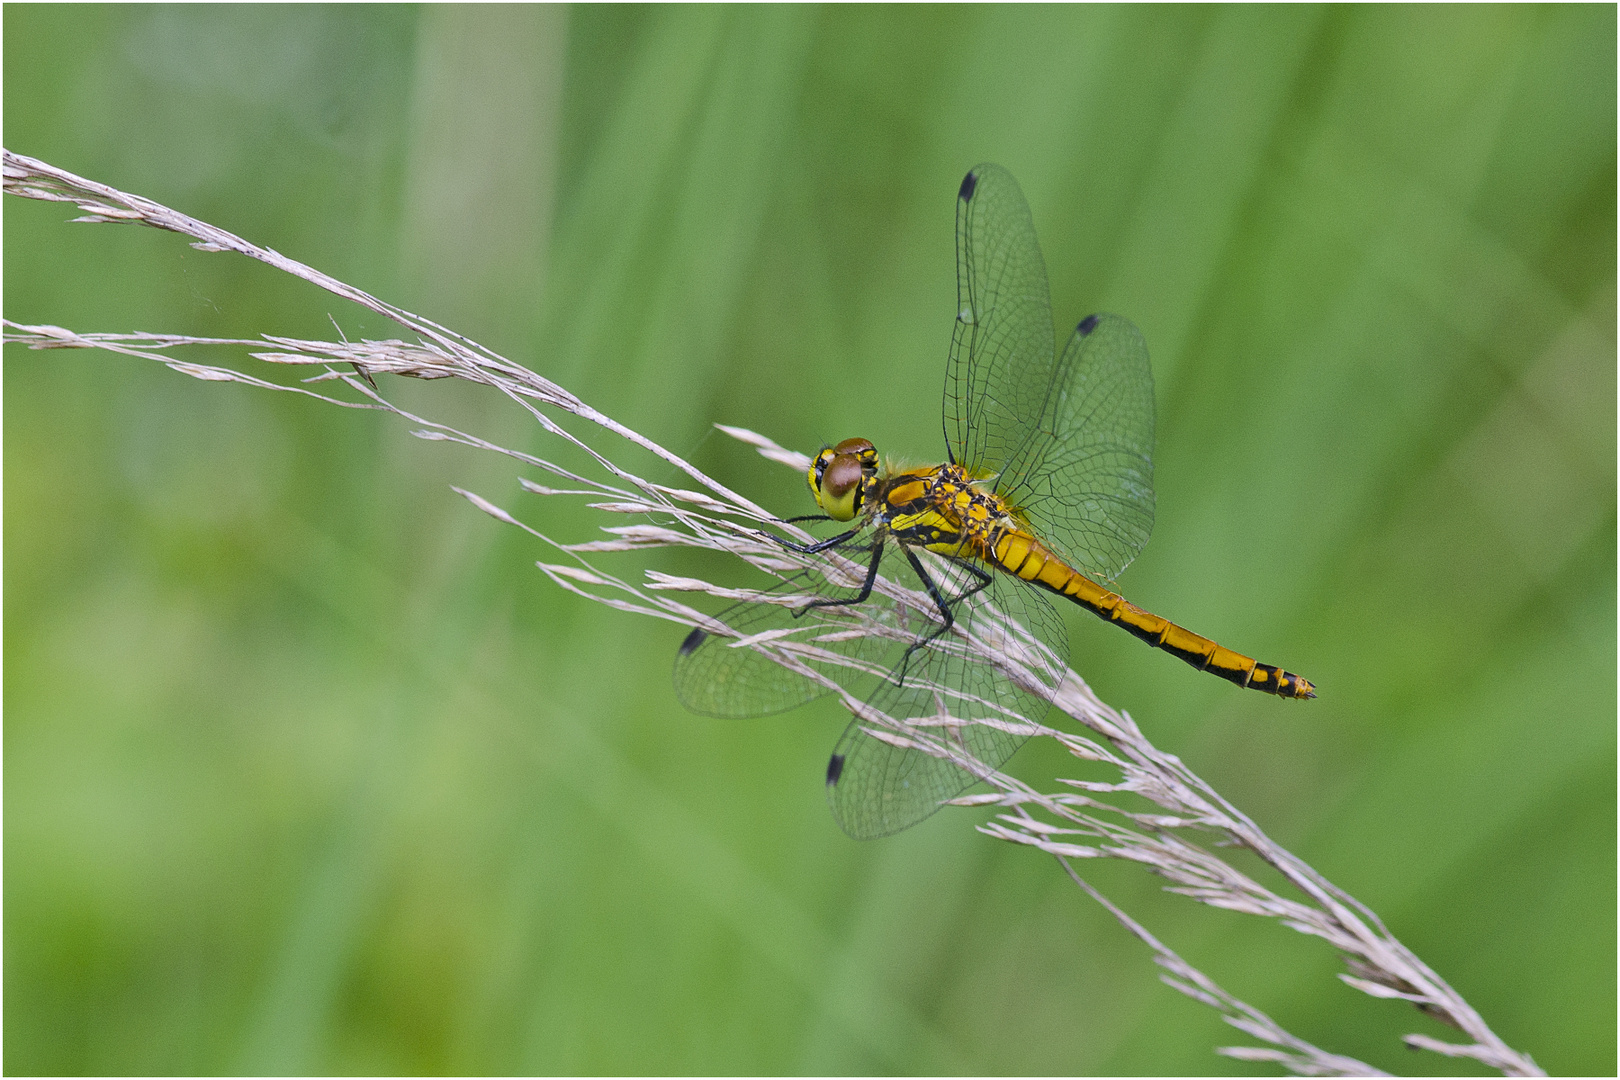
x=947 y=615
x=933 y=591
x=866 y=586
x=819 y=545
x=985 y=578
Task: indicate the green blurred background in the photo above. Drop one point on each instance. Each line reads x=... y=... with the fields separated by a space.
x=307 y=769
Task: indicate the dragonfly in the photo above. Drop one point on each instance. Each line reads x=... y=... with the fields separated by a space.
x=1046 y=491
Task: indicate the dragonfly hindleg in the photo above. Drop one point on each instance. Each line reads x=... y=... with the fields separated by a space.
x=947 y=616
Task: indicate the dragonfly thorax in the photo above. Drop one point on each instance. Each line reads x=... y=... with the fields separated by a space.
x=842 y=476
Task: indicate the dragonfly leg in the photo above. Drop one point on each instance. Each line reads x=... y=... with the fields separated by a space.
x=947 y=616
x=819 y=545
x=866 y=586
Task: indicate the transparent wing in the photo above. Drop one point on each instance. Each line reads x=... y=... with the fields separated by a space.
x=878 y=783
x=719 y=672
x=1069 y=441
x=1001 y=363
x=881 y=783
x=1084 y=480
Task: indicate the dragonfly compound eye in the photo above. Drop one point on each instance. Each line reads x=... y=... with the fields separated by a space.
x=861 y=448
x=842 y=486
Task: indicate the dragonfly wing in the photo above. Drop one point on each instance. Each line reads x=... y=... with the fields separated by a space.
x=878 y=784
x=714 y=677
x=726 y=668
x=1001 y=364
x=1085 y=482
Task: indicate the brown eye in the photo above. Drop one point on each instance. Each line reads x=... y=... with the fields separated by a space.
x=860 y=448
x=862 y=451
x=838 y=478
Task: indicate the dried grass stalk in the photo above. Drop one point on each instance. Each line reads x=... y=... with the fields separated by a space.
x=1179 y=841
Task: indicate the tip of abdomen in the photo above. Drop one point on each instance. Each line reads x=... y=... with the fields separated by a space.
x=1291 y=685
x=1273 y=680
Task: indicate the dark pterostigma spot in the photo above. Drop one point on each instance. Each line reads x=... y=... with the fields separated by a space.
x=1087 y=325
x=835 y=766
x=693 y=640
x=969 y=182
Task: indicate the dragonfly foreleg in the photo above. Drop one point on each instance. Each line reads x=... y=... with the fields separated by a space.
x=819 y=545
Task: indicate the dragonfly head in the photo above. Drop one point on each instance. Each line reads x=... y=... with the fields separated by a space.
x=841 y=475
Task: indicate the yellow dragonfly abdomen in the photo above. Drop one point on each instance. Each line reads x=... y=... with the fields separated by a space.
x=1025 y=557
